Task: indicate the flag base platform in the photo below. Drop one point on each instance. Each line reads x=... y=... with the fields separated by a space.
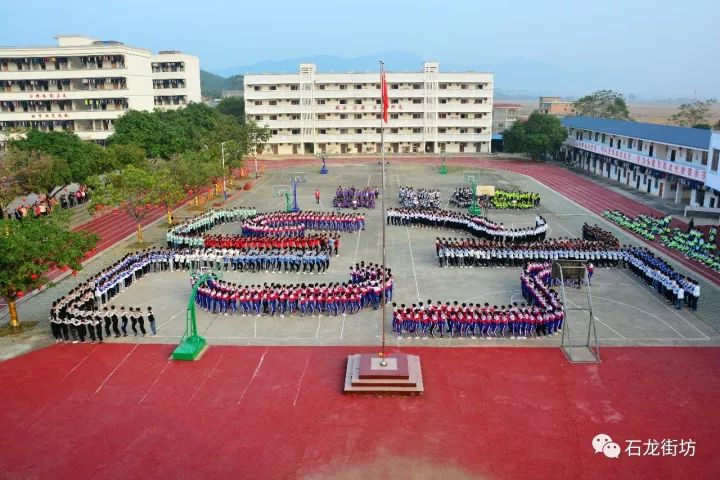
x=191 y=348
x=402 y=374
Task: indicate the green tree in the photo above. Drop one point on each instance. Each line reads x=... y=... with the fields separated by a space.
x=540 y=134
x=31 y=247
x=132 y=189
x=168 y=189
x=33 y=171
x=604 y=104
x=194 y=171
x=119 y=156
x=233 y=106
x=83 y=159
x=692 y=114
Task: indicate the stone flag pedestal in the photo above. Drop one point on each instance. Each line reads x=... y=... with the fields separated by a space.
x=401 y=376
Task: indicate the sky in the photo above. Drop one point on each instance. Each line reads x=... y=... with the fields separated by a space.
x=655 y=47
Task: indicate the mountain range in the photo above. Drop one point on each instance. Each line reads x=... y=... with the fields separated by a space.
x=515 y=77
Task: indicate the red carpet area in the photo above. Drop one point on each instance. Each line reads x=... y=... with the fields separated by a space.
x=126 y=411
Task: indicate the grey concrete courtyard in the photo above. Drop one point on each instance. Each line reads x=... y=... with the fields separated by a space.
x=627 y=312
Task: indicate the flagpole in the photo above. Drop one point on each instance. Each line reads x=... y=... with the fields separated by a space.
x=383 y=362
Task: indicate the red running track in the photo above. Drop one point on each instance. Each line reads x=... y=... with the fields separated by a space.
x=121 y=411
x=577 y=188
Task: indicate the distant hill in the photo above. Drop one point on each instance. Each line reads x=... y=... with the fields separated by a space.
x=212 y=85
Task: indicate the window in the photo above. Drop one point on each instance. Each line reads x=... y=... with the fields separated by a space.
x=258 y=102
x=443 y=100
x=394 y=101
x=394 y=116
x=417 y=130
x=688 y=155
x=274 y=132
x=463 y=115
x=293 y=87
x=416 y=115
x=273 y=87
x=295 y=131
x=377 y=117
x=478 y=130
x=377 y=130
x=343 y=116
x=464 y=100
x=603 y=138
x=417 y=86
x=343 y=102
x=652 y=150
x=256 y=88
x=321 y=116
x=704 y=158
x=480 y=86
x=322 y=131
x=321 y=102
x=442 y=115
x=273 y=102
x=715 y=160
x=443 y=86
x=672 y=155
x=442 y=130
x=597 y=136
x=343 y=87
x=358 y=102
x=321 y=87
x=463 y=86
x=343 y=131
x=294 y=117
x=358 y=130
x=358 y=87
x=358 y=116
x=417 y=101
x=295 y=102
x=394 y=86
x=273 y=117
x=657 y=182
x=463 y=130
x=640 y=145
x=478 y=100
x=393 y=130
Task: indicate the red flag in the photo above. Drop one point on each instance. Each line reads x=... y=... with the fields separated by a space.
x=385 y=101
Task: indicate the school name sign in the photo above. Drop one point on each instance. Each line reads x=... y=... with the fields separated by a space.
x=692 y=173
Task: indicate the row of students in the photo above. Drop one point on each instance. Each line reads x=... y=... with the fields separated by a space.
x=321 y=221
x=73 y=325
x=221 y=297
x=252 y=260
x=329 y=243
x=189 y=233
x=477 y=226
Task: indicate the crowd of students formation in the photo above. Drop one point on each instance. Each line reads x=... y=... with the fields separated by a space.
x=353 y=197
x=542 y=315
x=278 y=241
x=692 y=243
x=474 y=225
x=419 y=198
x=502 y=199
x=363 y=290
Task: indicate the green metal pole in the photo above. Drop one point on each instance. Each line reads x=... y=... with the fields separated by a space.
x=191 y=345
x=474 y=209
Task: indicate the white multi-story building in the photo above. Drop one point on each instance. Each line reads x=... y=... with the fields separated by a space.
x=670 y=162
x=83 y=85
x=340 y=113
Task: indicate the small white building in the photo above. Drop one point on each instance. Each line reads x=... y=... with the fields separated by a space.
x=340 y=113
x=670 y=162
x=83 y=85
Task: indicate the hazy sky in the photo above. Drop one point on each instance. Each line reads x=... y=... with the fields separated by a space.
x=637 y=43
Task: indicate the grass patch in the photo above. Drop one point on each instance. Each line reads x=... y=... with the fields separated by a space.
x=7 y=331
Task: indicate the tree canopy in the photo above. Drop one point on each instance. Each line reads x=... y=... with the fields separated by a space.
x=31 y=247
x=694 y=114
x=31 y=171
x=540 y=134
x=604 y=104
x=233 y=106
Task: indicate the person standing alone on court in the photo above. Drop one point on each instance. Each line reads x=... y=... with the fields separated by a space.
x=151 y=319
x=317 y=196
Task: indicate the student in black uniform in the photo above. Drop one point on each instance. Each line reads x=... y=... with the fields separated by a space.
x=151 y=319
x=141 y=320
x=133 y=320
x=99 y=324
x=108 y=320
x=124 y=319
x=91 y=319
x=114 y=318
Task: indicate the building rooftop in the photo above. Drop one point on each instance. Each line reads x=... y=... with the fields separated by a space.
x=681 y=136
x=507 y=105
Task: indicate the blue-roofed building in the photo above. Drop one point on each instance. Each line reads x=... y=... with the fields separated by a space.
x=671 y=162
